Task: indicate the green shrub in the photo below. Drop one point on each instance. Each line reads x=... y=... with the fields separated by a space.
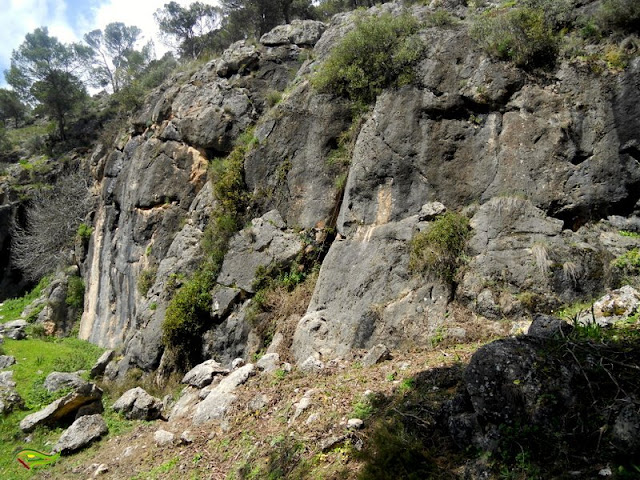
x=441 y=18
x=628 y=264
x=379 y=53
x=227 y=177
x=622 y=15
x=439 y=249
x=522 y=35
x=273 y=98
x=186 y=318
x=145 y=280
x=84 y=232
x=75 y=292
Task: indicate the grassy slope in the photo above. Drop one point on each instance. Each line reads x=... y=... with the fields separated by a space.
x=35 y=358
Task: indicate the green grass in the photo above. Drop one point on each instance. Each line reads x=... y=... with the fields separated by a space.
x=35 y=360
x=157 y=472
x=11 y=309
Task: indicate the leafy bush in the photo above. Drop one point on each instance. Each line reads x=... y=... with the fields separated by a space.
x=227 y=176
x=145 y=280
x=621 y=15
x=379 y=53
x=273 y=98
x=186 y=318
x=628 y=264
x=75 y=292
x=84 y=232
x=439 y=249
x=522 y=35
x=441 y=18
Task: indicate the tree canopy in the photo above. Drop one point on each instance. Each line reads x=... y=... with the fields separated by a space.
x=114 y=59
x=44 y=70
x=185 y=28
x=11 y=107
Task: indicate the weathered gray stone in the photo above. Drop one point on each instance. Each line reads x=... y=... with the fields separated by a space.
x=58 y=380
x=6 y=361
x=365 y=294
x=223 y=300
x=101 y=364
x=626 y=430
x=241 y=57
x=258 y=402
x=62 y=408
x=236 y=378
x=214 y=407
x=614 y=307
x=136 y=404
x=9 y=397
x=545 y=326
x=84 y=431
x=311 y=364
x=301 y=406
x=186 y=438
x=262 y=245
x=15 y=330
x=202 y=375
x=6 y=380
x=58 y=316
x=182 y=408
x=237 y=363
x=231 y=339
x=431 y=210
x=269 y=362
x=289 y=167
x=377 y=354
x=163 y=438
x=355 y=424
x=298 y=32
x=90 y=409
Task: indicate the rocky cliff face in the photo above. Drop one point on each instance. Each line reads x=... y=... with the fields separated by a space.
x=547 y=169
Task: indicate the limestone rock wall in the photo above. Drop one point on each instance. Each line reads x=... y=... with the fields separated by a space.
x=546 y=167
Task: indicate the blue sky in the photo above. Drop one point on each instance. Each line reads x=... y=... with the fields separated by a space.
x=69 y=20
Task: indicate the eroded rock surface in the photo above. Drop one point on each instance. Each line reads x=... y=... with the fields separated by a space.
x=84 y=431
x=62 y=408
x=137 y=404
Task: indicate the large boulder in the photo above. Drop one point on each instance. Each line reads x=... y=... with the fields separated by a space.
x=215 y=406
x=202 y=375
x=15 y=330
x=84 y=431
x=9 y=397
x=137 y=404
x=365 y=294
x=58 y=380
x=6 y=361
x=63 y=408
x=298 y=32
x=613 y=307
x=101 y=364
x=240 y=57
